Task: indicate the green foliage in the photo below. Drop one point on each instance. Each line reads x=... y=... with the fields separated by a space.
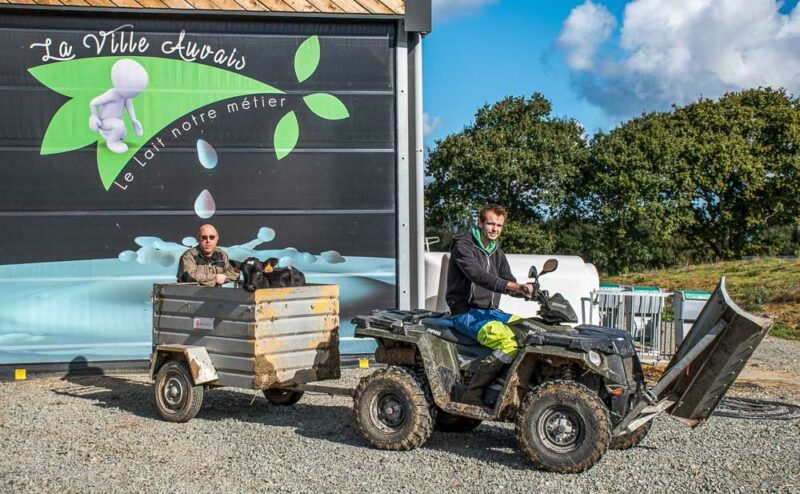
x=722 y=175
x=753 y=297
x=713 y=180
x=515 y=154
x=527 y=238
x=785 y=331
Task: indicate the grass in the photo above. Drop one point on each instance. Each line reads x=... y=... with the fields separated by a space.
x=762 y=286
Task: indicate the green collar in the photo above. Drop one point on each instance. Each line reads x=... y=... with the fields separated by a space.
x=476 y=234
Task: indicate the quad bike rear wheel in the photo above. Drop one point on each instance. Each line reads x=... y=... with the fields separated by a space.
x=392 y=409
x=563 y=427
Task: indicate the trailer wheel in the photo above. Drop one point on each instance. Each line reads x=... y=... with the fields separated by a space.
x=448 y=422
x=282 y=397
x=631 y=439
x=392 y=410
x=563 y=427
x=177 y=399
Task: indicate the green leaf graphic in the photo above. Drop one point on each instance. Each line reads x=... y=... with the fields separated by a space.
x=175 y=91
x=326 y=106
x=306 y=58
x=287 y=132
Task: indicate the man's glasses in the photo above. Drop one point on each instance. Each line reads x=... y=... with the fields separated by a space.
x=208 y=237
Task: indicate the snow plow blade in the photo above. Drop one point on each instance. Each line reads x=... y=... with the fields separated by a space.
x=710 y=358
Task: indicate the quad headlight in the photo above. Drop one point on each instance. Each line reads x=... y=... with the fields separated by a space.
x=595 y=358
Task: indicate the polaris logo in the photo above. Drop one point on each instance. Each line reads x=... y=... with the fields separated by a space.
x=560 y=306
x=433 y=331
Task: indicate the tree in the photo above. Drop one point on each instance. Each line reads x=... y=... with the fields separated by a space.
x=514 y=154
x=707 y=181
x=637 y=193
x=744 y=156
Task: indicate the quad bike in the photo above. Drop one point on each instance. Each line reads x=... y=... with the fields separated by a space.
x=572 y=392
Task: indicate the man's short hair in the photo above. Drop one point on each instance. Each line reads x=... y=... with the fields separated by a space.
x=495 y=208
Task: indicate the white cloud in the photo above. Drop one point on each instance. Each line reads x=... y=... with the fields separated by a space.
x=429 y=124
x=674 y=51
x=447 y=9
x=587 y=26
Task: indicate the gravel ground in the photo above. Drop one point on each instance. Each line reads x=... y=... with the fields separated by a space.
x=102 y=434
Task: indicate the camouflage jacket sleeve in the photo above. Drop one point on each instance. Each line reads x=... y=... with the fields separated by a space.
x=189 y=271
x=230 y=272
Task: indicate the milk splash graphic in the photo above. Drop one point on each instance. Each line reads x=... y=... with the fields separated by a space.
x=154 y=250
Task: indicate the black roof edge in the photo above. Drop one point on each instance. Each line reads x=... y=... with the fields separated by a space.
x=418 y=16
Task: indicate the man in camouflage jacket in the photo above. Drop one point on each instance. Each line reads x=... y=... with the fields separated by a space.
x=205 y=263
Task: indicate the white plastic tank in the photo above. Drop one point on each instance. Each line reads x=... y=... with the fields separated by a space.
x=574 y=279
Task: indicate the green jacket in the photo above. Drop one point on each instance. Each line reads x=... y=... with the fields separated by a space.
x=195 y=267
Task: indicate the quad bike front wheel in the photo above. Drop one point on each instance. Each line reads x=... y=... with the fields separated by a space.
x=392 y=409
x=176 y=397
x=563 y=427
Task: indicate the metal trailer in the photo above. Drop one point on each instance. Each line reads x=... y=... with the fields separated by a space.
x=276 y=340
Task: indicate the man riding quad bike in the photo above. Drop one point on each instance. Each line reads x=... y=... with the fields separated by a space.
x=572 y=392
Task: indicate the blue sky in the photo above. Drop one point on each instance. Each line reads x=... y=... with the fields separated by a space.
x=602 y=61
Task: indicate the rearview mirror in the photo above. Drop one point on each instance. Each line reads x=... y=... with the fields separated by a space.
x=550 y=265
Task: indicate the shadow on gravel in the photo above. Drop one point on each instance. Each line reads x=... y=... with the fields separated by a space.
x=326 y=422
x=490 y=443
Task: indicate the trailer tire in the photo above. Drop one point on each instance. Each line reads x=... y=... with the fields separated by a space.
x=563 y=427
x=631 y=439
x=177 y=398
x=448 y=422
x=282 y=397
x=392 y=409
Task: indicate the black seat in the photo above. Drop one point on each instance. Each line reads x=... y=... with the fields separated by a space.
x=444 y=328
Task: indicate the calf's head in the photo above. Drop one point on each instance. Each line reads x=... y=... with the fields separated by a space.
x=254 y=272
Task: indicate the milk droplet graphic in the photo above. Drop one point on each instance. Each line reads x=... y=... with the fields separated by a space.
x=206 y=154
x=308 y=258
x=204 y=205
x=285 y=262
x=266 y=234
x=167 y=260
x=189 y=241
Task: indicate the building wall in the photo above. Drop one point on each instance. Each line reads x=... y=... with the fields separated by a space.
x=281 y=132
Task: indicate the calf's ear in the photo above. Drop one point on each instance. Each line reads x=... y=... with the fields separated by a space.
x=269 y=264
x=236 y=264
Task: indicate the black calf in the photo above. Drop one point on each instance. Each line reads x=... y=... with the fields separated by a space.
x=259 y=274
